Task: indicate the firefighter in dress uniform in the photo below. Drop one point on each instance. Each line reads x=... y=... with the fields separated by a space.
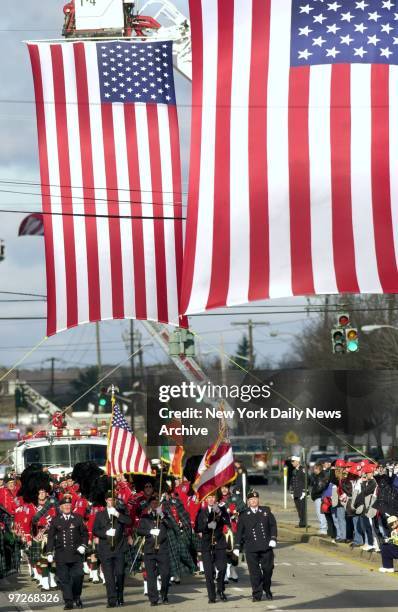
x=109 y=527
x=67 y=543
x=210 y=523
x=153 y=526
x=256 y=535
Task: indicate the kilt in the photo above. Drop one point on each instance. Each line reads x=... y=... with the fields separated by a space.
x=181 y=562
x=34 y=552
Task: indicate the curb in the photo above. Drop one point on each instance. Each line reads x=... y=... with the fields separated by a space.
x=287 y=533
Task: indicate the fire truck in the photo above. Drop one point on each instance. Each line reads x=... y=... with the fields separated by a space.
x=59 y=447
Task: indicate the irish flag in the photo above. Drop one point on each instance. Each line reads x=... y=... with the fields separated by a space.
x=173 y=455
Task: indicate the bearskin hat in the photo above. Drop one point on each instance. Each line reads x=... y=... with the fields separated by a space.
x=191 y=467
x=84 y=474
x=33 y=479
x=99 y=488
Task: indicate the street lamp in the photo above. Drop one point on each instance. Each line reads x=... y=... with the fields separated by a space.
x=369 y=328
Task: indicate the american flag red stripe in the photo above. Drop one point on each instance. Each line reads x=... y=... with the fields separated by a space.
x=113 y=160
x=125 y=454
x=293 y=179
x=216 y=469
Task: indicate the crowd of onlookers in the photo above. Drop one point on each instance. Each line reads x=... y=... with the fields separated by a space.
x=355 y=503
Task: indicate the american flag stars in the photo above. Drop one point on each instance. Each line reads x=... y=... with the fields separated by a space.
x=344 y=31
x=151 y=64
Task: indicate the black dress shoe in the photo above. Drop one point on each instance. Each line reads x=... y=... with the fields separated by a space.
x=111 y=605
x=268 y=595
x=222 y=596
x=165 y=601
x=79 y=604
x=68 y=606
x=255 y=599
x=154 y=603
x=211 y=600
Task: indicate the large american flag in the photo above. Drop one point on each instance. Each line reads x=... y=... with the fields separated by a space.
x=294 y=153
x=125 y=454
x=111 y=184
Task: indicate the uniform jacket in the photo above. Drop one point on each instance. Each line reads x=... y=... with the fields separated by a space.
x=8 y=500
x=149 y=521
x=81 y=507
x=93 y=511
x=65 y=536
x=102 y=523
x=297 y=482
x=212 y=538
x=256 y=529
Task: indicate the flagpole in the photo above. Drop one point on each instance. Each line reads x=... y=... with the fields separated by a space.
x=160 y=493
x=113 y=401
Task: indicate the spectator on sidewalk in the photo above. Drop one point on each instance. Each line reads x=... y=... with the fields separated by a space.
x=319 y=482
x=389 y=550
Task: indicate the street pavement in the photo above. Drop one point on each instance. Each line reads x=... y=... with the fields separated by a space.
x=305 y=578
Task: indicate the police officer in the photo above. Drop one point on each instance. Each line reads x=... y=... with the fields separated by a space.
x=109 y=528
x=297 y=489
x=153 y=526
x=67 y=542
x=257 y=533
x=210 y=523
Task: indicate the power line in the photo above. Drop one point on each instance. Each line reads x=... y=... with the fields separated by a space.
x=94 y=215
x=20 y=293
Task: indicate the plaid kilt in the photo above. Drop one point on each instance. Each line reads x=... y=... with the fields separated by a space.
x=3 y=568
x=181 y=562
x=34 y=552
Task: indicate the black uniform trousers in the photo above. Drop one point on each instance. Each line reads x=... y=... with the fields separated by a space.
x=261 y=567
x=70 y=576
x=213 y=559
x=157 y=564
x=300 y=507
x=113 y=568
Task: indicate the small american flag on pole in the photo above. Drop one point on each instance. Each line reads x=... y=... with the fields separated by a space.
x=111 y=180
x=125 y=454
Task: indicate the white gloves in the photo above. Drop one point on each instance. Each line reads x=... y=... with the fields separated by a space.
x=81 y=550
x=212 y=525
x=302 y=495
x=292 y=495
x=216 y=509
x=159 y=511
x=155 y=532
x=111 y=532
x=236 y=552
x=50 y=558
x=272 y=543
x=113 y=512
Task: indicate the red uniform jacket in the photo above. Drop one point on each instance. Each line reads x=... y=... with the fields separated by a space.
x=8 y=500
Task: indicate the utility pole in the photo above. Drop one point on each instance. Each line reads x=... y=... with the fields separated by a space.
x=250 y=326
x=52 y=360
x=132 y=365
x=98 y=339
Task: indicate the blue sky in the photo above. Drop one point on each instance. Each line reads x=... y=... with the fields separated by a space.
x=24 y=270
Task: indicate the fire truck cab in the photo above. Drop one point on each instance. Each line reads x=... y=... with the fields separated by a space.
x=59 y=450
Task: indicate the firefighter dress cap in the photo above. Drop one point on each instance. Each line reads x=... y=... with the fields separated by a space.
x=65 y=499
x=252 y=494
x=110 y=495
x=295 y=458
x=391 y=520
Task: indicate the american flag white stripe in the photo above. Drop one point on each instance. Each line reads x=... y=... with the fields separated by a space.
x=101 y=268
x=325 y=221
x=216 y=469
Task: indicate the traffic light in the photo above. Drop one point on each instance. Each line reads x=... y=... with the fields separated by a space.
x=182 y=342
x=20 y=399
x=338 y=341
x=351 y=335
x=102 y=400
x=344 y=336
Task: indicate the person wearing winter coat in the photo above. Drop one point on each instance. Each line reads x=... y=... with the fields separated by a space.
x=297 y=490
x=319 y=483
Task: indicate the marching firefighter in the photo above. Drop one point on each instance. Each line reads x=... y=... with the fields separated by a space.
x=234 y=505
x=109 y=528
x=257 y=533
x=297 y=490
x=67 y=542
x=210 y=523
x=153 y=526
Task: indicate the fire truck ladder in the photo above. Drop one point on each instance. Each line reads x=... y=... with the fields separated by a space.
x=38 y=402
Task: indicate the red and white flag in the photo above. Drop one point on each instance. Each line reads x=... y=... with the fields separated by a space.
x=216 y=468
x=125 y=454
x=32 y=225
x=294 y=151
x=111 y=183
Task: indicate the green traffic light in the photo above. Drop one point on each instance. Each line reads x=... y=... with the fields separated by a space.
x=352 y=346
x=102 y=401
